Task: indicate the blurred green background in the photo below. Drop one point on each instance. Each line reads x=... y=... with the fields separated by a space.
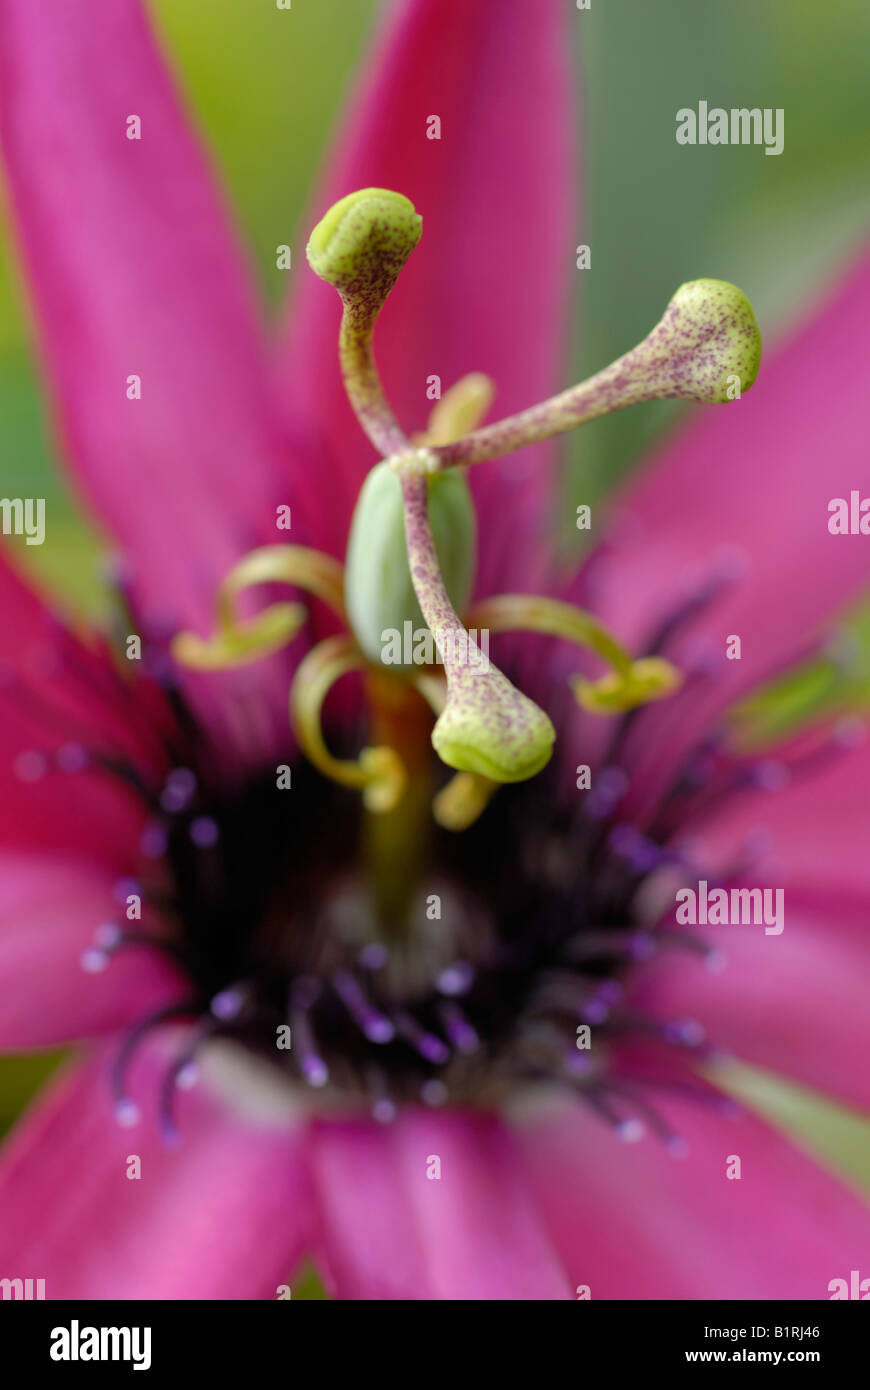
x=266 y=88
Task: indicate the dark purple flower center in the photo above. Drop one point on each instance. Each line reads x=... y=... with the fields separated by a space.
x=507 y=967
x=516 y=941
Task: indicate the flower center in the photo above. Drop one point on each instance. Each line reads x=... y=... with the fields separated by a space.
x=367 y=947
x=491 y=961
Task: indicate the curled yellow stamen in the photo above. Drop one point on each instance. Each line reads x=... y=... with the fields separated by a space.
x=378 y=773
x=238 y=640
x=630 y=683
x=651 y=678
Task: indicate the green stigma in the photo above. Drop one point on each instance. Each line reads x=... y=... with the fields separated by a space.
x=490 y=728
x=364 y=240
x=708 y=341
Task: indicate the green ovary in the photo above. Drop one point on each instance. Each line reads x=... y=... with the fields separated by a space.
x=379 y=594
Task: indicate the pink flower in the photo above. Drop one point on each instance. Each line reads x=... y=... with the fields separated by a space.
x=161 y=787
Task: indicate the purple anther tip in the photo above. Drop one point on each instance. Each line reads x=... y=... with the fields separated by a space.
x=433 y=1049
x=107 y=936
x=384 y=1111
x=630 y=1131
x=455 y=979
x=686 y=1030
x=93 y=961
x=182 y=781
x=594 y=1011
x=204 y=832
x=187 y=1076
x=374 y=955
x=227 y=1004
x=379 y=1029
x=315 y=1071
x=127 y=1113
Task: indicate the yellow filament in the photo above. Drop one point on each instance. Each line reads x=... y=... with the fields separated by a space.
x=378 y=773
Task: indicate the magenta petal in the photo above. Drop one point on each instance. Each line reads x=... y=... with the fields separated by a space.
x=795 y=1004
x=368 y=1249
x=746 y=487
x=762 y=1003
x=487 y=288
x=51 y=715
x=134 y=272
x=390 y=1231
x=814 y=827
x=222 y=1216
x=49 y=912
x=636 y=1222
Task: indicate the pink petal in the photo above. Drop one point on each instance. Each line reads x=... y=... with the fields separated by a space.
x=635 y=1222
x=51 y=711
x=815 y=824
x=763 y=1003
x=223 y=1216
x=487 y=288
x=49 y=912
x=793 y=1003
x=133 y=272
x=751 y=481
x=392 y=1232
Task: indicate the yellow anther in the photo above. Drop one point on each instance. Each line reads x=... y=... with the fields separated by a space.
x=651 y=678
x=240 y=640
x=239 y=643
x=629 y=684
